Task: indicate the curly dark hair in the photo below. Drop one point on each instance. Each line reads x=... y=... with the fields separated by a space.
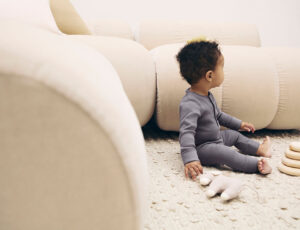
x=196 y=58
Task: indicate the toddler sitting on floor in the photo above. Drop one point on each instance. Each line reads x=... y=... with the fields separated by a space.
x=201 y=140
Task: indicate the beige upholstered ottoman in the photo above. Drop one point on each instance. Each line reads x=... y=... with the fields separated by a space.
x=72 y=154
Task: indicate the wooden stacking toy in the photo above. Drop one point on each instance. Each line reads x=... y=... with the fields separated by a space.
x=290 y=163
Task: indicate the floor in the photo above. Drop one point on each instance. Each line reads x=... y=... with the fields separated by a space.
x=265 y=202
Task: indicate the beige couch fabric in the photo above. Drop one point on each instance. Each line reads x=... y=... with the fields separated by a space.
x=66 y=17
x=257 y=88
x=70 y=22
x=111 y=27
x=288 y=70
x=71 y=147
x=155 y=32
x=250 y=88
x=134 y=66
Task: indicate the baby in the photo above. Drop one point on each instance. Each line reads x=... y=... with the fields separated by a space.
x=201 y=140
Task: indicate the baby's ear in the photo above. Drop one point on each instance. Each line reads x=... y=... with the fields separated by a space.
x=208 y=75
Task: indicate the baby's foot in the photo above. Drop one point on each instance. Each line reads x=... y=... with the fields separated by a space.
x=264 y=148
x=263 y=166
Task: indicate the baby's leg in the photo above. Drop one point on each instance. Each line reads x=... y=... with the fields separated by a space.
x=265 y=148
x=217 y=154
x=245 y=144
x=264 y=167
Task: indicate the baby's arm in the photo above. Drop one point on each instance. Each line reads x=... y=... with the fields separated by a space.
x=229 y=121
x=189 y=113
x=234 y=123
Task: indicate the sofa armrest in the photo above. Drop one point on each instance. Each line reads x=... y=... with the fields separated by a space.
x=134 y=66
x=72 y=150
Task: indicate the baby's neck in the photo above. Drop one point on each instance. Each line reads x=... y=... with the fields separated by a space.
x=200 y=90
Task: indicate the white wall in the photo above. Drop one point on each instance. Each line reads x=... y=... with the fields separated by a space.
x=278 y=21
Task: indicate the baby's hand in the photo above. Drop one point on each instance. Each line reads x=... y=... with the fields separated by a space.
x=194 y=168
x=247 y=127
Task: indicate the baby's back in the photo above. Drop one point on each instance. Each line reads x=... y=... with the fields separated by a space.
x=199 y=112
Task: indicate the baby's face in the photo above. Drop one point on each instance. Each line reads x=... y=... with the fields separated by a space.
x=219 y=73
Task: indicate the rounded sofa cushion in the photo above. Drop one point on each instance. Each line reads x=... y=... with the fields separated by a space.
x=156 y=32
x=250 y=88
x=34 y=12
x=80 y=75
x=249 y=91
x=287 y=67
x=134 y=66
x=69 y=167
x=111 y=27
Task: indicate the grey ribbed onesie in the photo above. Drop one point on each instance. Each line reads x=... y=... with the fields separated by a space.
x=201 y=139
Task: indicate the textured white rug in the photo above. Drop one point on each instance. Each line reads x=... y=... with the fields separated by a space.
x=266 y=202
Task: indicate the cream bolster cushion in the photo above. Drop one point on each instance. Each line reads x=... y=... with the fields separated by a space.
x=243 y=104
x=111 y=27
x=134 y=66
x=289 y=170
x=285 y=60
x=77 y=71
x=156 y=32
x=295 y=146
x=291 y=162
x=292 y=154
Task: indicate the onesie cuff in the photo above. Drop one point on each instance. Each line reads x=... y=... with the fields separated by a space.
x=236 y=123
x=189 y=157
x=229 y=121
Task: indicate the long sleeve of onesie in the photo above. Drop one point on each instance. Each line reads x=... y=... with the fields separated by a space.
x=188 y=117
x=228 y=121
